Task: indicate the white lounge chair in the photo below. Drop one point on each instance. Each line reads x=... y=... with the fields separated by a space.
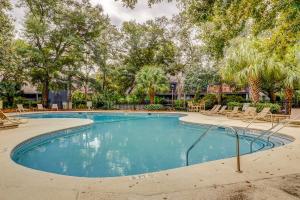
x=89 y=104
x=20 y=108
x=54 y=107
x=65 y=105
x=40 y=107
x=245 y=106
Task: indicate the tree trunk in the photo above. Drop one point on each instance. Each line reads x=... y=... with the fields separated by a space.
x=45 y=93
x=69 y=98
x=254 y=84
x=85 y=90
x=152 y=97
x=219 y=95
x=104 y=81
x=289 y=93
x=272 y=95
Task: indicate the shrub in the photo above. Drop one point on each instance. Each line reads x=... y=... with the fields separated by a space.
x=98 y=101
x=157 y=100
x=180 y=104
x=232 y=98
x=275 y=108
x=78 y=98
x=233 y=104
x=154 y=107
x=132 y=99
x=27 y=103
x=210 y=100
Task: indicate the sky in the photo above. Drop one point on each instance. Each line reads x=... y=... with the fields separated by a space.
x=117 y=12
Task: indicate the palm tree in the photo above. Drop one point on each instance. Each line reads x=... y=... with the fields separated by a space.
x=291 y=73
x=244 y=64
x=151 y=80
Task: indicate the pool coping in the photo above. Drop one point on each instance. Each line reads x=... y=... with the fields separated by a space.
x=254 y=166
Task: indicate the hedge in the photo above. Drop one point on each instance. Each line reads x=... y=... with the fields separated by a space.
x=231 y=105
x=154 y=107
x=275 y=108
x=210 y=100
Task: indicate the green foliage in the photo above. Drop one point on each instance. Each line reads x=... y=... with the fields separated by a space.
x=147 y=44
x=98 y=101
x=210 y=100
x=254 y=43
x=8 y=92
x=180 y=104
x=275 y=108
x=153 y=107
x=27 y=103
x=232 y=104
x=59 y=33
x=157 y=100
x=78 y=99
x=198 y=78
x=232 y=98
x=151 y=80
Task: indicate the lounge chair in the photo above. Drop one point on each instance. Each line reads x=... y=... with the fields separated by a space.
x=249 y=112
x=200 y=106
x=20 y=108
x=4 y=126
x=293 y=122
x=40 y=107
x=214 y=110
x=264 y=115
x=282 y=117
x=12 y=120
x=89 y=105
x=245 y=106
x=218 y=111
x=54 y=107
x=65 y=105
x=233 y=112
x=223 y=111
x=192 y=107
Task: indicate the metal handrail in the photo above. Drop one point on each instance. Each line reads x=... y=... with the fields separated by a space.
x=268 y=132
x=287 y=122
x=205 y=133
x=283 y=126
x=254 y=119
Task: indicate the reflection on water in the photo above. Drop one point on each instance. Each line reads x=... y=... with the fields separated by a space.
x=118 y=145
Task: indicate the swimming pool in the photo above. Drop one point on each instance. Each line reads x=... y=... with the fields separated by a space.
x=119 y=144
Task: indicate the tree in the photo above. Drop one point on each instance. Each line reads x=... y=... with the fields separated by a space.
x=6 y=36
x=9 y=90
x=104 y=53
x=291 y=74
x=151 y=80
x=199 y=77
x=54 y=30
x=145 y=44
x=244 y=64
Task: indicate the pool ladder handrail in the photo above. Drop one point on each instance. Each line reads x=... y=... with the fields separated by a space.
x=269 y=133
x=254 y=119
x=233 y=130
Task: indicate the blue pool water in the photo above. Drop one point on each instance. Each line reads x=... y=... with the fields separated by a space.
x=125 y=144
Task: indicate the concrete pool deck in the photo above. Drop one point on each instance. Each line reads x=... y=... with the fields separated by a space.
x=270 y=174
